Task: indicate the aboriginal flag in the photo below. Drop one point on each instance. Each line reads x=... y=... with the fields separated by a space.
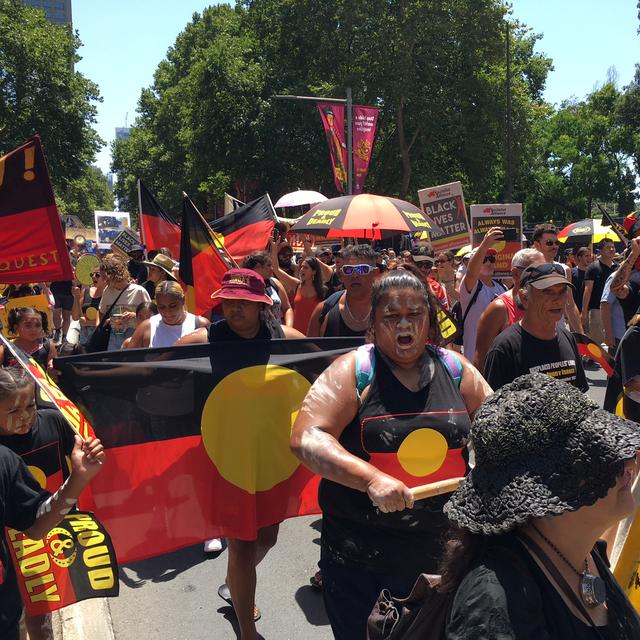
x=32 y=244
x=157 y=228
x=198 y=442
x=591 y=349
x=248 y=228
x=75 y=561
x=203 y=259
x=627 y=367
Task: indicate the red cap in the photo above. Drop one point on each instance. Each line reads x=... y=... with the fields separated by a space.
x=243 y=284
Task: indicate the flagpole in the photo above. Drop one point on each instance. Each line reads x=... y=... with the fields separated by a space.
x=140 y=225
x=7 y=345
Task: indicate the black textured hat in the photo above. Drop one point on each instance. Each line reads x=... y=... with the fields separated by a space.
x=542 y=447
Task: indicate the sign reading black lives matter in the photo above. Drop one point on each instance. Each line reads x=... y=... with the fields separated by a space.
x=444 y=204
x=509 y=218
x=126 y=240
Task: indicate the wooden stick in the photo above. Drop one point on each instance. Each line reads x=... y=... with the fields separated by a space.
x=436 y=488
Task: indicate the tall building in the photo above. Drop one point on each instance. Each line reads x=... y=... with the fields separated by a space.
x=58 y=11
x=122 y=133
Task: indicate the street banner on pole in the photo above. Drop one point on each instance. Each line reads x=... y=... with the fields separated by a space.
x=32 y=243
x=365 y=120
x=75 y=561
x=333 y=116
x=444 y=205
x=509 y=218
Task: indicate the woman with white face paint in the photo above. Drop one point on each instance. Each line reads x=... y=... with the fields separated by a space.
x=391 y=415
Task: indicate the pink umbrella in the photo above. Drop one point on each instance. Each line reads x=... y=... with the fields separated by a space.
x=299 y=198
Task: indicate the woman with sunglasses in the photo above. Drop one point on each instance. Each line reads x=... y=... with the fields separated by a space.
x=86 y=301
x=447 y=275
x=423 y=267
x=391 y=415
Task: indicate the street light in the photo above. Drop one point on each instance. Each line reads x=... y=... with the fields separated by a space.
x=349 y=108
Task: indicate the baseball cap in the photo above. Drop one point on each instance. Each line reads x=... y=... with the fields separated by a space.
x=543 y=276
x=242 y=284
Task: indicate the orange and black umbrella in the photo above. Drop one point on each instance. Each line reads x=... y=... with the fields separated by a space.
x=364 y=216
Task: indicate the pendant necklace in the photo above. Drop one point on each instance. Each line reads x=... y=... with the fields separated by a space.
x=593 y=590
x=356 y=320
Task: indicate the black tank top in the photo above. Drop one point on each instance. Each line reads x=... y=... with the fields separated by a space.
x=336 y=327
x=417 y=437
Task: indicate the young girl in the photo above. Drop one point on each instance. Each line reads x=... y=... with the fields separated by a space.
x=30 y=327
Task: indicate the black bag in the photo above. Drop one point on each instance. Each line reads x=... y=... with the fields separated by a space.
x=422 y=615
x=99 y=340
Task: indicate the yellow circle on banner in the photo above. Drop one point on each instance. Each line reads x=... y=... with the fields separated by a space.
x=619 y=410
x=85 y=265
x=39 y=475
x=499 y=245
x=91 y=313
x=246 y=425
x=422 y=452
x=594 y=349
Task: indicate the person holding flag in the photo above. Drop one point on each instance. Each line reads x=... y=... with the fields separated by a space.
x=24 y=504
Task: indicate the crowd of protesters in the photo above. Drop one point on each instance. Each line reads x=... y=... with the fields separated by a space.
x=507 y=536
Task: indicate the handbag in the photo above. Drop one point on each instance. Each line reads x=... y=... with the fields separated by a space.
x=422 y=615
x=99 y=340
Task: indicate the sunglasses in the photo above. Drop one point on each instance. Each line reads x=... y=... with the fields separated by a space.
x=491 y=259
x=441 y=261
x=425 y=264
x=551 y=243
x=95 y=275
x=356 y=269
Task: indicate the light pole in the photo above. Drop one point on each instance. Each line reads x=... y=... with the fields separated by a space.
x=349 y=109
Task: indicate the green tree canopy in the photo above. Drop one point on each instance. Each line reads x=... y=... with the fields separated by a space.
x=85 y=194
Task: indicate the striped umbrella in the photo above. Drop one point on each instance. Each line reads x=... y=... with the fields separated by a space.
x=364 y=216
x=588 y=229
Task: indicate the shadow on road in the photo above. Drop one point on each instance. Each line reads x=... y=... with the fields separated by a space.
x=229 y=615
x=310 y=602
x=163 y=568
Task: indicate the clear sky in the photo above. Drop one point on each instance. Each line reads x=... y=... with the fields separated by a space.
x=124 y=40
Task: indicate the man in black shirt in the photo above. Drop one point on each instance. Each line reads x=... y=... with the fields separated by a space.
x=536 y=344
x=594 y=281
x=583 y=260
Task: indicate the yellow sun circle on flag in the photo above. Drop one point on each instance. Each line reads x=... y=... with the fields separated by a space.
x=246 y=425
x=499 y=245
x=422 y=452
x=594 y=349
x=39 y=475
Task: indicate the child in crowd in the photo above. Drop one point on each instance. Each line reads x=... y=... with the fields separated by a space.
x=143 y=312
x=30 y=327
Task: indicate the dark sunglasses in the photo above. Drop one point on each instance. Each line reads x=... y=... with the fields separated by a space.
x=551 y=243
x=356 y=269
x=95 y=275
x=425 y=264
x=491 y=259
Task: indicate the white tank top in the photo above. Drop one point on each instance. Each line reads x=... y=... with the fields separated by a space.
x=165 y=335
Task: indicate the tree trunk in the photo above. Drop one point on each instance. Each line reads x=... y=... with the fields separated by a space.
x=405 y=150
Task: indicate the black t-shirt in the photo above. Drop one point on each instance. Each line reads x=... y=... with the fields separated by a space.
x=516 y=352
x=631 y=303
x=577 y=278
x=20 y=497
x=598 y=272
x=44 y=448
x=506 y=596
x=61 y=288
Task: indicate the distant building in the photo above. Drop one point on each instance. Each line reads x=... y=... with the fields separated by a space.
x=58 y=11
x=122 y=133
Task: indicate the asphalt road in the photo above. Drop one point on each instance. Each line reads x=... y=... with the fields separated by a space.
x=174 y=597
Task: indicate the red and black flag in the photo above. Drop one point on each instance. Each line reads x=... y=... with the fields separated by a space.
x=591 y=349
x=199 y=445
x=248 y=228
x=157 y=228
x=75 y=561
x=203 y=259
x=32 y=244
x=617 y=400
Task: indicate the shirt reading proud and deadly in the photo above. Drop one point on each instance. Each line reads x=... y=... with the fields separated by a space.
x=515 y=352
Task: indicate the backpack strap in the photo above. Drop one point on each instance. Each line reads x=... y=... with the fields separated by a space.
x=450 y=361
x=365 y=367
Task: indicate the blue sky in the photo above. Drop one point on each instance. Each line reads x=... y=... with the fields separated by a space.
x=124 y=40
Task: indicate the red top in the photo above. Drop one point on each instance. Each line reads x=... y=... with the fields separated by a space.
x=513 y=312
x=302 y=310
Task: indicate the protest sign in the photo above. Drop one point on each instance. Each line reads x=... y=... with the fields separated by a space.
x=444 y=205
x=75 y=561
x=109 y=225
x=509 y=218
x=125 y=241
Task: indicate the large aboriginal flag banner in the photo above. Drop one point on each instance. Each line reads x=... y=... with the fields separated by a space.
x=197 y=438
x=248 y=228
x=74 y=561
x=32 y=244
x=203 y=259
x=157 y=228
